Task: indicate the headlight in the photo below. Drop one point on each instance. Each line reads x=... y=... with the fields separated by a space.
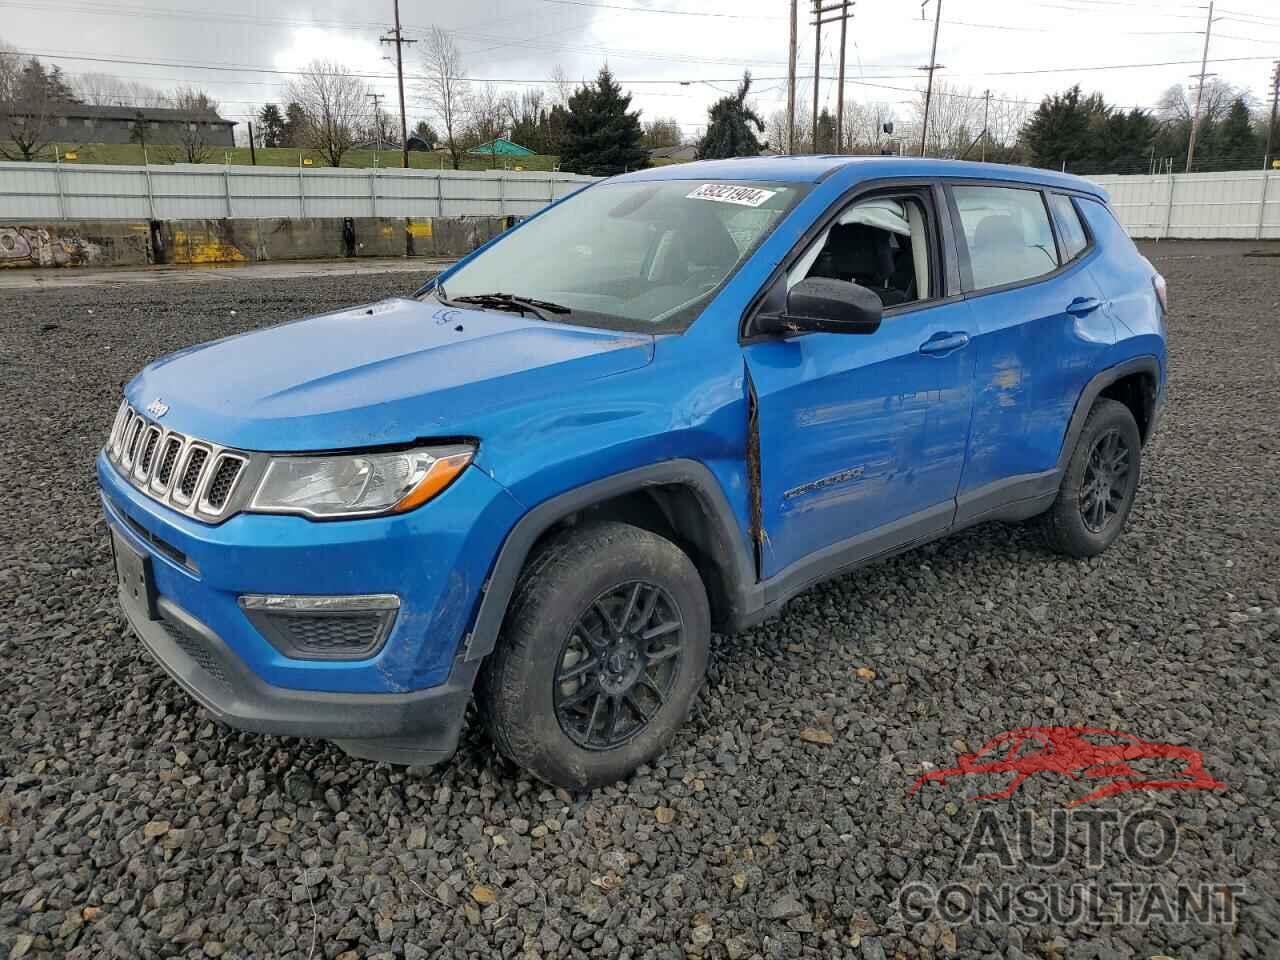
x=359 y=484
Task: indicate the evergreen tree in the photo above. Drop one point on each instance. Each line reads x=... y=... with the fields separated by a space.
x=37 y=84
x=425 y=132
x=826 y=132
x=1122 y=141
x=139 y=129
x=601 y=137
x=1236 y=139
x=552 y=125
x=295 y=125
x=729 y=132
x=271 y=126
x=31 y=99
x=1063 y=129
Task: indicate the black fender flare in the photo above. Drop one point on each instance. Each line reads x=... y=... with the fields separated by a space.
x=732 y=553
x=1089 y=395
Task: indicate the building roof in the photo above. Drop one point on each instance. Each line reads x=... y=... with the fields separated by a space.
x=812 y=169
x=501 y=146
x=85 y=111
x=681 y=151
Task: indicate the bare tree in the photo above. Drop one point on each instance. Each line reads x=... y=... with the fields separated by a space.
x=31 y=99
x=1006 y=120
x=10 y=70
x=105 y=90
x=526 y=117
x=955 y=119
x=662 y=132
x=775 y=130
x=562 y=86
x=445 y=89
x=335 y=104
x=380 y=127
x=1178 y=103
x=195 y=130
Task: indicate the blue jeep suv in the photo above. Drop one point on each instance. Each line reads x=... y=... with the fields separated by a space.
x=663 y=406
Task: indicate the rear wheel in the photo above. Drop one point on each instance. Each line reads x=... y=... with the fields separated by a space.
x=601 y=655
x=1100 y=484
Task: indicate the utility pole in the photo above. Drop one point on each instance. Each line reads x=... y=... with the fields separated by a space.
x=817 y=68
x=1195 y=117
x=844 y=26
x=396 y=36
x=253 y=157
x=377 y=116
x=933 y=65
x=986 y=112
x=1271 y=127
x=791 y=84
x=818 y=20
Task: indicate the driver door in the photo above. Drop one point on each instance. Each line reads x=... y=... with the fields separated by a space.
x=862 y=437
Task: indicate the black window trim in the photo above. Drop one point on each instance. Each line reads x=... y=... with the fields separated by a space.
x=961 y=243
x=1057 y=227
x=942 y=248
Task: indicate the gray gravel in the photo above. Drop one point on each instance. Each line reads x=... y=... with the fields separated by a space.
x=133 y=826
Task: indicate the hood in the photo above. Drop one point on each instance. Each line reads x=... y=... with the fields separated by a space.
x=390 y=372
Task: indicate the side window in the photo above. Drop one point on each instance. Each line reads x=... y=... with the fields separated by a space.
x=1007 y=232
x=1070 y=229
x=882 y=244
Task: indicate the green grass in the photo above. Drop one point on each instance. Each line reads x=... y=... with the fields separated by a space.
x=130 y=153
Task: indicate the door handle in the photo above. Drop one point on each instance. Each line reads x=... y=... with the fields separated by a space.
x=945 y=342
x=1083 y=305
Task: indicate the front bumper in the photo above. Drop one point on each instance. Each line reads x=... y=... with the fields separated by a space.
x=403 y=703
x=419 y=728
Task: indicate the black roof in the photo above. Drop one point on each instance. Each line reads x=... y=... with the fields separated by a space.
x=86 y=111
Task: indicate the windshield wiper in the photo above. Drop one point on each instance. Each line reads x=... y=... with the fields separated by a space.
x=509 y=301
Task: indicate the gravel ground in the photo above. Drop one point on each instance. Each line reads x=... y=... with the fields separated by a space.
x=778 y=825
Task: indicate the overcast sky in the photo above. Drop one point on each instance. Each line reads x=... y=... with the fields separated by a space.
x=676 y=56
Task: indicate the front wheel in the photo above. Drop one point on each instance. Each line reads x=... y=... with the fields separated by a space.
x=1100 y=484
x=601 y=655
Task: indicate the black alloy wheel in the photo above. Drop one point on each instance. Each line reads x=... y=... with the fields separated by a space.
x=618 y=665
x=1099 y=485
x=1106 y=484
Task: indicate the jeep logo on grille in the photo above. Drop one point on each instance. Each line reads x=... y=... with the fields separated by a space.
x=157 y=408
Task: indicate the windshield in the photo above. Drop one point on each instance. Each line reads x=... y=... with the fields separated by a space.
x=644 y=256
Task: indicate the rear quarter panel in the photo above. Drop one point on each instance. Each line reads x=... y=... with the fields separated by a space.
x=1124 y=276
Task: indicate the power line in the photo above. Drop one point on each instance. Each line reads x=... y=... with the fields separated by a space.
x=668 y=12
x=244 y=68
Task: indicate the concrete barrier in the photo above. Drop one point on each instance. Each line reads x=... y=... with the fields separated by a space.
x=138 y=243
x=104 y=243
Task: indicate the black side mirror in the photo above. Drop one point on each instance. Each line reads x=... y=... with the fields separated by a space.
x=825 y=305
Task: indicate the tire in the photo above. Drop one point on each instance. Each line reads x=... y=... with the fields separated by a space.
x=573 y=658
x=1100 y=484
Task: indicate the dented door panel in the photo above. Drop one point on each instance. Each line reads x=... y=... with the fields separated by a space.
x=857 y=431
x=1032 y=359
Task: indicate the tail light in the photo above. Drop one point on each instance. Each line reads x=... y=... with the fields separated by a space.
x=1162 y=291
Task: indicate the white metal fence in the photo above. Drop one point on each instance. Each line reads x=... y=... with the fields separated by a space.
x=48 y=191
x=1241 y=204
x=1238 y=204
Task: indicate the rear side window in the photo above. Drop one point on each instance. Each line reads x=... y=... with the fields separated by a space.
x=1007 y=232
x=1070 y=229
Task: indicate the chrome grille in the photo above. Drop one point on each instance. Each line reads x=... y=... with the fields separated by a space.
x=222 y=480
x=168 y=461
x=192 y=469
x=192 y=476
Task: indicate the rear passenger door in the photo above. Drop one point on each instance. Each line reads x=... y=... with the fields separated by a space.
x=1040 y=333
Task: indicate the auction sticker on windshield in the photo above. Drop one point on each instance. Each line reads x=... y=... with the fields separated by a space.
x=731 y=193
